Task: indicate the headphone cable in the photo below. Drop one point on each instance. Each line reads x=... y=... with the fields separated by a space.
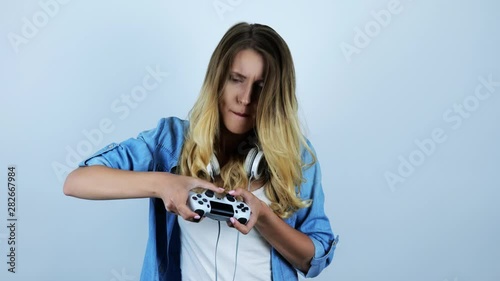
x=236 y=255
x=216 y=248
x=237 y=244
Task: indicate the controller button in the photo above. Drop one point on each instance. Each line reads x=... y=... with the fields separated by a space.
x=230 y=197
x=198 y=195
x=242 y=220
x=240 y=205
x=209 y=193
x=194 y=198
x=200 y=202
x=205 y=200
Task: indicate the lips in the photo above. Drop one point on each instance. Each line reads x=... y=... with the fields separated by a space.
x=241 y=114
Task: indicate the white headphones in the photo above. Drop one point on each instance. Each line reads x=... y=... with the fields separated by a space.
x=254 y=164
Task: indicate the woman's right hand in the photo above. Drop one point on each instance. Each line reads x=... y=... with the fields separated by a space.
x=103 y=183
x=175 y=191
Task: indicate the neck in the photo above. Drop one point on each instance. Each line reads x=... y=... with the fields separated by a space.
x=228 y=143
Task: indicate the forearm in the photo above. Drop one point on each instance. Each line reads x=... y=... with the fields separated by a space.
x=100 y=182
x=296 y=247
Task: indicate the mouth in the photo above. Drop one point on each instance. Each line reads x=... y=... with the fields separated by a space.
x=241 y=114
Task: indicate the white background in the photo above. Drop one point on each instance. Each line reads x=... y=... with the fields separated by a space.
x=64 y=65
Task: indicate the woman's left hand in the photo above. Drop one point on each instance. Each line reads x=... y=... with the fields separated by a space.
x=257 y=207
x=295 y=246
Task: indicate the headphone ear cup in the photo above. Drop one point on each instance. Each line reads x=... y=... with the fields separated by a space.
x=254 y=163
x=213 y=167
x=249 y=161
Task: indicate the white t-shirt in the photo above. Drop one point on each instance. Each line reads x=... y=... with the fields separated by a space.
x=198 y=249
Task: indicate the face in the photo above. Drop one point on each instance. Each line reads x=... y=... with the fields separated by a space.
x=239 y=98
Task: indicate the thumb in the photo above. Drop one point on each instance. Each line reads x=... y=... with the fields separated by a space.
x=209 y=185
x=239 y=192
x=186 y=213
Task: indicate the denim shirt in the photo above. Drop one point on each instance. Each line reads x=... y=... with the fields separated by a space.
x=159 y=149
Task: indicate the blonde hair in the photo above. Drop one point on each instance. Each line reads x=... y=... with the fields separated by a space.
x=277 y=127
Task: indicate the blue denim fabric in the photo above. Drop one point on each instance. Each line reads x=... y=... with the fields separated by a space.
x=159 y=149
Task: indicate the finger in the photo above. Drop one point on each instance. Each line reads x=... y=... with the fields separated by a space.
x=244 y=229
x=238 y=192
x=186 y=213
x=209 y=185
x=170 y=206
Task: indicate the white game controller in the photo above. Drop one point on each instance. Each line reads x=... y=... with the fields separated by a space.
x=218 y=208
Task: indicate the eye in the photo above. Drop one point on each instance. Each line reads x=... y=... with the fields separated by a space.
x=235 y=79
x=257 y=89
x=257 y=86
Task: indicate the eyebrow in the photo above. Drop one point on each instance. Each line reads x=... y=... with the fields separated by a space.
x=238 y=75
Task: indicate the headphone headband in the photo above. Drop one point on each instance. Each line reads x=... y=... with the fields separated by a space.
x=254 y=164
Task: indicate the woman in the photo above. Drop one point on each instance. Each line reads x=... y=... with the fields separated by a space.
x=247 y=103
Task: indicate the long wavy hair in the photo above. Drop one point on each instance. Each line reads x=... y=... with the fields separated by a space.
x=277 y=128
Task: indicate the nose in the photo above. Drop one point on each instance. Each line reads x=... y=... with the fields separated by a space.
x=245 y=96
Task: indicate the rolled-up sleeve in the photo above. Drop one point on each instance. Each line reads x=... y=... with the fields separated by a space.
x=313 y=221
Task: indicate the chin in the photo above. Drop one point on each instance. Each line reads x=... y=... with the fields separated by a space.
x=238 y=130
